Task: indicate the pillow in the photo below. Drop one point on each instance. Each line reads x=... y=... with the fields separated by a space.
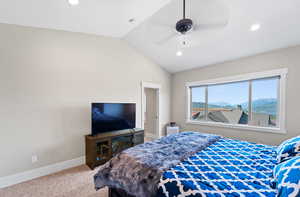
x=287 y=178
x=288 y=149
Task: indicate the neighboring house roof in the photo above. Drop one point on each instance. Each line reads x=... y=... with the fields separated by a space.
x=235 y=116
x=217 y=116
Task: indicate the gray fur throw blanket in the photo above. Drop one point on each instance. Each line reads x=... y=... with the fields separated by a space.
x=137 y=170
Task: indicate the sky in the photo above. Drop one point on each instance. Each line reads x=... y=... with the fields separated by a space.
x=237 y=93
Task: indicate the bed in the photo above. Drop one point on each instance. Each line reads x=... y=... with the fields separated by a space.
x=191 y=164
x=226 y=168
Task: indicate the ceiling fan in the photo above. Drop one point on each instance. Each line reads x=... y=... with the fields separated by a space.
x=186 y=29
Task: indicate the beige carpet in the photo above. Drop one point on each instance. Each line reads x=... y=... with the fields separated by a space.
x=74 y=182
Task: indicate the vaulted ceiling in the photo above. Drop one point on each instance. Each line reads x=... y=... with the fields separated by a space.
x=152 y=30
x=279 y=27
x=100 y=17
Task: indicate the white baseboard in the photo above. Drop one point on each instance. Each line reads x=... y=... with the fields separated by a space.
x=43 y=171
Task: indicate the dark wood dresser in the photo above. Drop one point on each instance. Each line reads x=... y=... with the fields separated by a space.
x=102 y=147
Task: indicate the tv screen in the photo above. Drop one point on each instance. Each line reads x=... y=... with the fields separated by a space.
x=112 y=117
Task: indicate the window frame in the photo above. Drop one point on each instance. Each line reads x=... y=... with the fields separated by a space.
x=282 y=73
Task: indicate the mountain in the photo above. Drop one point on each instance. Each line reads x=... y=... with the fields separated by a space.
x=221 y=104
x=268 y=106
x=202 y=105
x=213 y=105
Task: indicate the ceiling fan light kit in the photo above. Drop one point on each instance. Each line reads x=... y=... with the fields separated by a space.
x=184 y=41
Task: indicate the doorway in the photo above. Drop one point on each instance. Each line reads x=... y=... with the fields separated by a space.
x=151 y=110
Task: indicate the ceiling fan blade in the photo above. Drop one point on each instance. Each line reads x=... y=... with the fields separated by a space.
x=210 y=26
x=167 y=38
x=204 y=35
x=161 y=33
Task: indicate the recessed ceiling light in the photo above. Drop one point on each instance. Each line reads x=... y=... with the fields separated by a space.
x=73 y=2
x=179 y=53
x=255 y=27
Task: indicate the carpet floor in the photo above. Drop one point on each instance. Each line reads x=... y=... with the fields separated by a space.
x=74 y=182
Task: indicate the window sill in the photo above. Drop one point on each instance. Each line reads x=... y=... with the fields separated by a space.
x=235 y=126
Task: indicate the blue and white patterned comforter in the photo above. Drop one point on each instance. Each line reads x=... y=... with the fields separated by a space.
x=227 y=168
x=137 y=170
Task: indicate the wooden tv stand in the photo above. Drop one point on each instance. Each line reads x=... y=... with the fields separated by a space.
x=102 y=147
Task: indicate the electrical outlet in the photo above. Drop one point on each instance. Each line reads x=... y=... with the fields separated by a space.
x=34 y=158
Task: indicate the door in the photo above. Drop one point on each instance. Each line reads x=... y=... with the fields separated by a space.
x=151 y=114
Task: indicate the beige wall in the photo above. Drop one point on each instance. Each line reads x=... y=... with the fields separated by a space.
x=48 y=80
x=285 y=58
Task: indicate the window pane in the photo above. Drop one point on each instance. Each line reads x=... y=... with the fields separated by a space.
x=228 y=103
x=198 y=103
x=264 y=102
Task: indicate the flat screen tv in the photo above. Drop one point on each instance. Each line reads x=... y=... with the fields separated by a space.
x=112 y=117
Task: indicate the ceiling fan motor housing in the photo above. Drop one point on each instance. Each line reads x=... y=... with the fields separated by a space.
x=184 y=25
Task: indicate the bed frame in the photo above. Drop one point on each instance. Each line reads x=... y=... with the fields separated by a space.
x=112 y=192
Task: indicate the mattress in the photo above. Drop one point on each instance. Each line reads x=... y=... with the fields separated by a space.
x=227 y=168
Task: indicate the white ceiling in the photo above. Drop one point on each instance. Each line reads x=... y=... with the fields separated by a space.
x=280 y=27
x=279 y=19
x=100 y=17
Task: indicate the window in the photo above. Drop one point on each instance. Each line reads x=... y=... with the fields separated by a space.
x=198 y=103
x=264 y=102
x=252 y=101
